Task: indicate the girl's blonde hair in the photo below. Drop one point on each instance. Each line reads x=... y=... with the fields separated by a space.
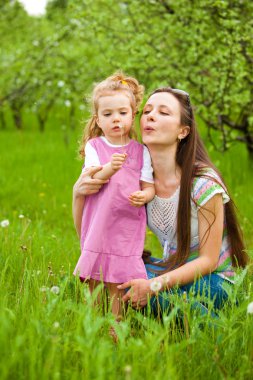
x=116 y=82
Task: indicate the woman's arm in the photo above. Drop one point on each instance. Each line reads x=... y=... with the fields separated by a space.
x=209 y=217
x=85 y=185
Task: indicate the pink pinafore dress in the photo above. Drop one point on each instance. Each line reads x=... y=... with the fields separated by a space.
x=113 y=231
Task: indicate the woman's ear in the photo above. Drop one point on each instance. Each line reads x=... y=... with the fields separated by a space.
x=185 y=130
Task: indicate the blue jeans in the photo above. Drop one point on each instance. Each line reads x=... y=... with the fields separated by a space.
x=205 y=290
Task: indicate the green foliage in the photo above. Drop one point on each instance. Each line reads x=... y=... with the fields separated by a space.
x=204 y=47
x=62 y=336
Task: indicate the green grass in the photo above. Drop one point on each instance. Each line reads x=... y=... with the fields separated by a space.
x=48 y=336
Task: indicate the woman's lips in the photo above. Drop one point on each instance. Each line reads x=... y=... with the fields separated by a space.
x=148 y=129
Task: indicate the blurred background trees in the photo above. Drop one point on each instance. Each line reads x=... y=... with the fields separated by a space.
x=49 y=63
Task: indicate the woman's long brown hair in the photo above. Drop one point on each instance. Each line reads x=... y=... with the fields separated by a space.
x=192 y=158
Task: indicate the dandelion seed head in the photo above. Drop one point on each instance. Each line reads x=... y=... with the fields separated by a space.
x=155 y=286
x=55 y=289
x=67 y=103
x=56 y=325
x=61 y=83
x=21 y=216
x=4 y=223
x=250 y=308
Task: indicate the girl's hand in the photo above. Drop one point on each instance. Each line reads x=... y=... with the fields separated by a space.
x=138 y=198
x=86 y=185
x=118 y=160
x=138 y=294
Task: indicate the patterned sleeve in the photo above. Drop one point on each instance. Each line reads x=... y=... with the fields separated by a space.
x=206 y=186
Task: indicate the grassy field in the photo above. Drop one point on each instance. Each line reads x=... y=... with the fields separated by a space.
x=44 y=335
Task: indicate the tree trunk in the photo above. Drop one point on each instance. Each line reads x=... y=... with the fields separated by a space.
x=72 y=118
x=17 y=117
x=41 y=121
x=2 y=120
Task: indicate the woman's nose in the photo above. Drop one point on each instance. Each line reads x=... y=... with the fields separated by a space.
x=151 y=116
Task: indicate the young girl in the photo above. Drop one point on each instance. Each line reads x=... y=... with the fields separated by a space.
x=114 y=219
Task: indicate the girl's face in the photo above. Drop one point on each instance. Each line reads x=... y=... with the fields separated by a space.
x=160 y=121
x=115 y=117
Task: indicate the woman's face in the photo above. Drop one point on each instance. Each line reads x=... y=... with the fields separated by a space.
x=160 y=120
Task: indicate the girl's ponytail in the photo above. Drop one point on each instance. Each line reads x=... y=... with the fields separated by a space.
x=91 y=130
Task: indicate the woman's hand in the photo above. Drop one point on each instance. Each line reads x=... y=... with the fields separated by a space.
x=86 y=185
x=138 y=294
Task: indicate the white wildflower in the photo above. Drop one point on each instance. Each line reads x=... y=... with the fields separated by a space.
x=250 y=308
x=60 y=83
x=128 y=369
x=5 y=223
x=44 y=289
x=56 y=325
x=21 y=216
x=67 y=103
x=155 y=286
x=55 y=289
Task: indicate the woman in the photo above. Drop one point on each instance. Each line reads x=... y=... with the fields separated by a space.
x=191 y=214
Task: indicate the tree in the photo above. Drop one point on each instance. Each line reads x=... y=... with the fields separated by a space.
x=203 y=47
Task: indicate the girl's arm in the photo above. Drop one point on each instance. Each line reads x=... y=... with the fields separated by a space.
x=111 y=167
x=140 y=198
x=85 y=185
x=147 y=193
x=209 y=217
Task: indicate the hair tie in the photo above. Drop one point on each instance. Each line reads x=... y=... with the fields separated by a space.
x=124 y=82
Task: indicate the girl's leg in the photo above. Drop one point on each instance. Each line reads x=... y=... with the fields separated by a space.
x=115 y=296
x=100 y=299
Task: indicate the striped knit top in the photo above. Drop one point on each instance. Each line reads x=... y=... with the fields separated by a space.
x=162 y=219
